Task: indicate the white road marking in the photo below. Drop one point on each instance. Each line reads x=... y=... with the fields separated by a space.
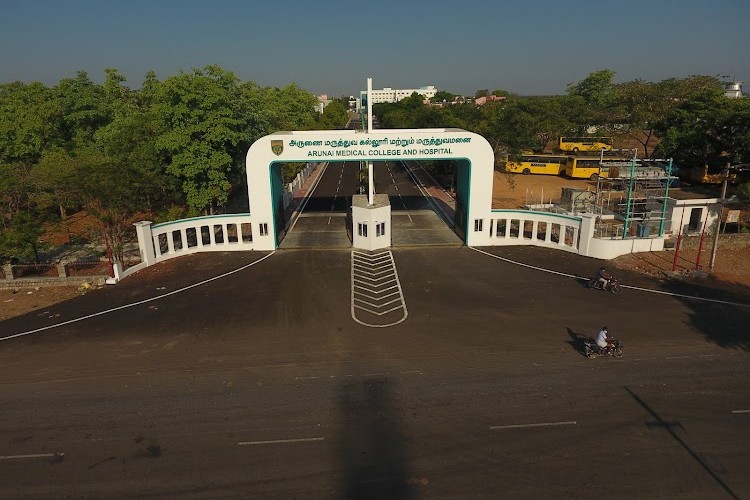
x=280 y=441
x=374 y=277
x=308 y=196
x=38 y=455
x=133 y=304
x=649 y=290
x=544 y=424
x=740 y=411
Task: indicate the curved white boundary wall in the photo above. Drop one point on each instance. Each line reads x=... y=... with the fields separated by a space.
x=544 y=229
x=558 y=231
x=213 y=233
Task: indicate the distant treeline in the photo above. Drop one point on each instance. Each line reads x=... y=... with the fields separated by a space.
x=176 y=147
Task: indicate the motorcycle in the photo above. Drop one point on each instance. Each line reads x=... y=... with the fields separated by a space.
x=611 y=285
x=591 y=349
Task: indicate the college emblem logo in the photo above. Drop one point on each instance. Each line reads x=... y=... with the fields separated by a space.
x=277 y=147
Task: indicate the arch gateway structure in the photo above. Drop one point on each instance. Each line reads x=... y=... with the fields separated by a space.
x=472 y=152
x=480 y=225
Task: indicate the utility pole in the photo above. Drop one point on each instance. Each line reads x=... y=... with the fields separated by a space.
x=370 y=168
x=718 y=223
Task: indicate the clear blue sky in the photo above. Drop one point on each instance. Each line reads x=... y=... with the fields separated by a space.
x=526 y=46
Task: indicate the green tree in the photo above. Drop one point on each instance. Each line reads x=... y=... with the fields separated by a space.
x=598 y=93
x=597 y=89
x=84 y=109
x=30 y=122
x=202 y=130
x=21 y=237
x=334 y=116
x=291 y=108
x=442 y=95
x=695 y=132
x=54 y=182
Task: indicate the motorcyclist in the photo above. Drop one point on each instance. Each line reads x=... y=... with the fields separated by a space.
x=603 y=277
x=603 y=340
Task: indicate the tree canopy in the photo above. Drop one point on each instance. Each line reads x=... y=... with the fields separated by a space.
x=178 y=145
x=118 y=152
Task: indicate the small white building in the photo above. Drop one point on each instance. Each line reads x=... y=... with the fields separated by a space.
x=691 y=214
x=733 y=90
x=388 y=94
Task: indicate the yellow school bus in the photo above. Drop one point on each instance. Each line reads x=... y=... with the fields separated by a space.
x=576 y=144
x=536 y=164
x=593 y=167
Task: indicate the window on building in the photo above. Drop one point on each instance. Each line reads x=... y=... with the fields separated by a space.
x=478 y=224
x=362 y=229
x=264 y=229
x=380 y=229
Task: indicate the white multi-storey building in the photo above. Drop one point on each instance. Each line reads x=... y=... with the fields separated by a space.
x=388 y=94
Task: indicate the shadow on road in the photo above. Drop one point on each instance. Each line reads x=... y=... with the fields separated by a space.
x=671 y=427
x=723 y=324
x=576 y=341
x=371 y=445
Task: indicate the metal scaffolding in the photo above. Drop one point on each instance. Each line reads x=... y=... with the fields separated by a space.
x=640 y=189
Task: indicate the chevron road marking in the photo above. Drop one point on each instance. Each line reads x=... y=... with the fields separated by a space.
x=375 y=289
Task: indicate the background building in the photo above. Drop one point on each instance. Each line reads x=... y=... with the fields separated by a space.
x=733 y=89
x=388 y=94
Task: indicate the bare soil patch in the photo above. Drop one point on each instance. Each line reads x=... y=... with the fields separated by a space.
x=732 y=266
x=15 y=302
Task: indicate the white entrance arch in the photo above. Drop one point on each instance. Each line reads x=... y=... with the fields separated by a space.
x=483 y=226
x=474 y=190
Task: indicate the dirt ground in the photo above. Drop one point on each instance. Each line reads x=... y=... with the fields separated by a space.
x=14 y=302
x=732 y=265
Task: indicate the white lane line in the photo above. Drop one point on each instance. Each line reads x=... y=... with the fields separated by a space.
x=308 y=196
x=280 y=441
x=567 y=275
x=740 y=411
x=644 y=359
x=38 y=455
x=413 y=371
x=678 y=357
x=133 y=304
x=544 y=424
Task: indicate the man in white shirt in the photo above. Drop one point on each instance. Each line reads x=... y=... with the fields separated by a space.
x=602 y=340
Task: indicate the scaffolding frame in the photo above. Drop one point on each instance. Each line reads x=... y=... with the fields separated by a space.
x=646 y=189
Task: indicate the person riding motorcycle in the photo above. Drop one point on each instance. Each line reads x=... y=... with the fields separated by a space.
x=603 y=277
x=603 y=340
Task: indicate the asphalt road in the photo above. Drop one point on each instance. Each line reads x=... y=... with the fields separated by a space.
x=259 y=384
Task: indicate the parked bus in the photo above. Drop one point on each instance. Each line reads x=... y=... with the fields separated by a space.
x=576 y=144
x=536 y=164
x=593 y=167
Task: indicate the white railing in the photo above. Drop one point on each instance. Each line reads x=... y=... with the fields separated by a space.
x=213 y=233
x=524 y=227
x=297 y=183
x=202 y=234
